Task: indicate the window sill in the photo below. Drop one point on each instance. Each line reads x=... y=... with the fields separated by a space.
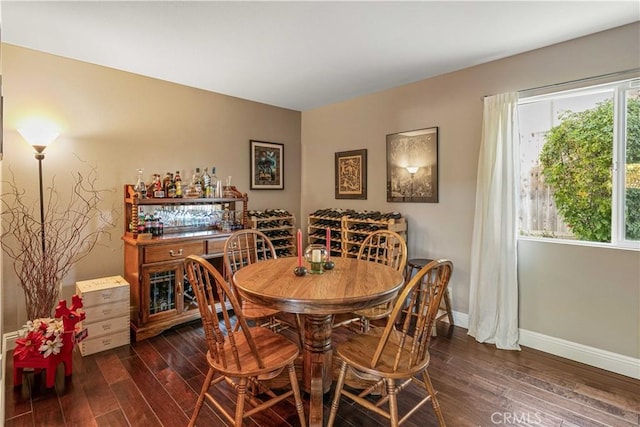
x=631 y=246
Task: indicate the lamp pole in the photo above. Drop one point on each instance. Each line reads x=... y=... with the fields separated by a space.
x=40 y=156
x=39 y=134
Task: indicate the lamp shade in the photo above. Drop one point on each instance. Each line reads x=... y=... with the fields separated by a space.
x=412 y=169
x=39 y=134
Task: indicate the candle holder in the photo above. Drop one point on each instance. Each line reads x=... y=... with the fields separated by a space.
x=300 y=271
x=316 y=255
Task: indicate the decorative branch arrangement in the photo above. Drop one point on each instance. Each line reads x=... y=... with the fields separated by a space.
x=71 y=230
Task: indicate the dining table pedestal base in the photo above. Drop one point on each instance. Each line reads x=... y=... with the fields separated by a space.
x=317 y=359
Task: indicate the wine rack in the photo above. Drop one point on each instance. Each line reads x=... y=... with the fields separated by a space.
x=279 y=226
x=322 y=219
x=350 y=228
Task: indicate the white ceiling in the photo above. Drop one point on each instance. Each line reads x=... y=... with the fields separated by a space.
x=300 y=55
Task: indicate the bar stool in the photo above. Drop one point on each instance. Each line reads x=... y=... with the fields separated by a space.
x=415 y=265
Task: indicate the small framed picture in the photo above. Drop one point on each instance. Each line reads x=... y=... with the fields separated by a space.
x=267 y=165
x=412 y=166
x=351 y=174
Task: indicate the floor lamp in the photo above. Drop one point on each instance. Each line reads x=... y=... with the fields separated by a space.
x=39 y=136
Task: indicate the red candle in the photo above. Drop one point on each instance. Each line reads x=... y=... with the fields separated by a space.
x=299 y=248
x=328 y=243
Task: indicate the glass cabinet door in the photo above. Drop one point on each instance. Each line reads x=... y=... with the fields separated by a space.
x=162 y=291
x=162 y=287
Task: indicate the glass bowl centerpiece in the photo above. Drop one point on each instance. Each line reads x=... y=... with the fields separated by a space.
x=316 y=255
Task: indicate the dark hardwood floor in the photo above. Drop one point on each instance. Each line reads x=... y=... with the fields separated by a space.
x=156 y=383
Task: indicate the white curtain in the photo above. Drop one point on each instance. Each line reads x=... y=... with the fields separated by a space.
x=493 y=291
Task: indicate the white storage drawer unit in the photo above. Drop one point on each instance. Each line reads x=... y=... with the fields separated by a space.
x=95 y=345
x=106 y=305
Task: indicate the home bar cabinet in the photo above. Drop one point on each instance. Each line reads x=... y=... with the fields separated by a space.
x=161 y=297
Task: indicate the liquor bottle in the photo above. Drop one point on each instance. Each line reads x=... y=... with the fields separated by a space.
x=216 y=185
x=171 y=187
x=151 y=188
x=165 y=183
x=140 y=188
x=206 y=183
x=157 y=189
x=177 y=180
x=196 y=181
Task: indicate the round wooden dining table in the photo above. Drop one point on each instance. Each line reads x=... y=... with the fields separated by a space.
x=351 y=285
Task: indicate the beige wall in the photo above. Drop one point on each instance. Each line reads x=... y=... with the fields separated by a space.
x=121 y=122
x=585 y=295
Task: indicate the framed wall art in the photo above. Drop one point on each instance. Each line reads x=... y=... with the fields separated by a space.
x=351 y=174
x=412 y=166
x=267 y=165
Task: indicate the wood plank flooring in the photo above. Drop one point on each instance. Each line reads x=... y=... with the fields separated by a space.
x=156 y=383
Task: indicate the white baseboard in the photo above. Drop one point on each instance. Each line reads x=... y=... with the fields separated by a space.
x=9 y=340
x=461 y=319
x=8 y=343
x=591 y=356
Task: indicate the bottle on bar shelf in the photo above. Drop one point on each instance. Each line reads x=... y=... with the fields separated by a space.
x=168 y=178
x=196 y=181
x=216 y=185
x=152 y=186
x=140 y=188
x=206 y=183
x=157 y=188
x=177 y=180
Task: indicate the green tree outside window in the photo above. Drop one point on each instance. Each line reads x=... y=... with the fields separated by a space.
x=577 y=163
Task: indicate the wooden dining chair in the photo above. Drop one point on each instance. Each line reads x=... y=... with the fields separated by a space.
x=246 y=247
x=395 y=356
x=384 y=247
x=243 y=358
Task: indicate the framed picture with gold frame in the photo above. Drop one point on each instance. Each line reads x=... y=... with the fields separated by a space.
x=412 y=166
x=351 y=174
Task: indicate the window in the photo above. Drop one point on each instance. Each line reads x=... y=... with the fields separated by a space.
x=580 y=165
